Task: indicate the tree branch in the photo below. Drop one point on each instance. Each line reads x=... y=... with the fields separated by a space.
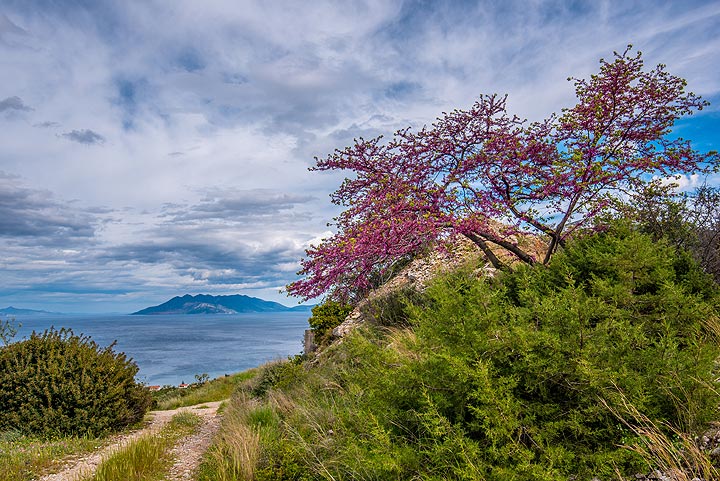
x=480 y=242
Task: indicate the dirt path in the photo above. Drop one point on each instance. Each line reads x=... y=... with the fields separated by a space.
x=187 y=453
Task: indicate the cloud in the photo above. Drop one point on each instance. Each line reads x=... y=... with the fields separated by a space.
x=85 y=136
x=681 y=183
x=215 y=112
x=238 y=205
x=230 y=237
x=8 y=30
x=210 y=257
x=46 y=125
x=35 y=217
x=13 y=103
x=131 y=97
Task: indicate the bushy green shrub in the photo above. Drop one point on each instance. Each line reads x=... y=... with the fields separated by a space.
x=531 y=369
x=58 y=383
x=327 y=316
x=390 y=308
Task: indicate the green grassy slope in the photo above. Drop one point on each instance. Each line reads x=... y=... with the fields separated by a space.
x=541 y=374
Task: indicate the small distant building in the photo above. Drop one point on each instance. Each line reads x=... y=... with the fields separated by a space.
x=183 y=385
x=154 y=388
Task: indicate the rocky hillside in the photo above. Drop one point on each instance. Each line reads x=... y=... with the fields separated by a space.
x=421 y=270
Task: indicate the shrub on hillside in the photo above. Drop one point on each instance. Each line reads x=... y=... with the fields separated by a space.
x=390 y=309
x=690 y=221
x=275 y=374
x=58 y=383
x=531 y=370
x=519 y=377
x=327 y=316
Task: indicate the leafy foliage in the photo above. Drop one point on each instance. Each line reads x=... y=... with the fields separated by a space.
x=327 y=316
x=689 y=221
x=57 y=383
x=521 y=377
x=614 y=317
x=8 y=330
x=473 y=168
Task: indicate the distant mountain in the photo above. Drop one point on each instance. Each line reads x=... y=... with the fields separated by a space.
x=305 y=308
x=207 y=304
x=12 y=311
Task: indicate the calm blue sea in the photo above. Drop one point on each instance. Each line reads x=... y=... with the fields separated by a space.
x=171 y=349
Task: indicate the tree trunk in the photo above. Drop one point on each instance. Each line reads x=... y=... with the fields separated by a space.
x=480 y=242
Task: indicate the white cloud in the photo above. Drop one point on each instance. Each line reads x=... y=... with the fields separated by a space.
x=682 y=183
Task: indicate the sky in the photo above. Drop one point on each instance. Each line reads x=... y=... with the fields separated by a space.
x=156 y=148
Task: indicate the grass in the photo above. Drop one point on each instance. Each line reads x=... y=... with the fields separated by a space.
x=260 y=438
x=218 y=389
x=234 y=453
x=23 y=457
x=147 y=458
x=665 y=448
x=499 y=380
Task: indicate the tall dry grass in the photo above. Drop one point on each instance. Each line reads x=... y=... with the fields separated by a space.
x=665 y=448
x=235 y=452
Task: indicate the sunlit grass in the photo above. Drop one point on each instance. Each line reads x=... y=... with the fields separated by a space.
x=665 y=448
x=216 y=390
x=23 y=457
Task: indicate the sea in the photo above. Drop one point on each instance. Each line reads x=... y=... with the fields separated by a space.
x=173 y=349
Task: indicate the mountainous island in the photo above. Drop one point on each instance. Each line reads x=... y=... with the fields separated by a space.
x=207 y=304
x=13 y=311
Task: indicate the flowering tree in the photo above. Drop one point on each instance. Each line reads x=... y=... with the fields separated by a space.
x=486 y=175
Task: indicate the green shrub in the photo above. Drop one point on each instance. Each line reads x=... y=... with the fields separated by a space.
x=327 y=316
x=532 y=369
x=57 y=383
x=390 y=309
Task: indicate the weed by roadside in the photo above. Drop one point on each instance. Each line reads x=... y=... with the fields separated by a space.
x=236 y=448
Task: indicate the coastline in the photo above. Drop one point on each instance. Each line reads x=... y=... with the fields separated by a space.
x=171 y=350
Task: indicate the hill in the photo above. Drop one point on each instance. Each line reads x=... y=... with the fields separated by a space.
x=546 y=372
x=207 y=304
x=10 y=310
